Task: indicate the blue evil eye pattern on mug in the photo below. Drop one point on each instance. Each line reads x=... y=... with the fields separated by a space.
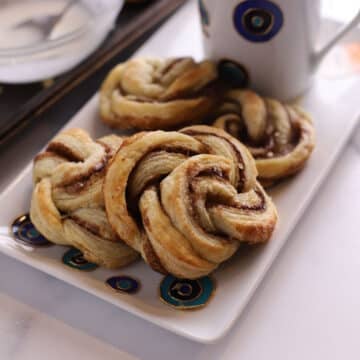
x=124 y=284
x=233 y=73
x=186 y=294
x=258 y=20
x=75 y=259
x=25 y=232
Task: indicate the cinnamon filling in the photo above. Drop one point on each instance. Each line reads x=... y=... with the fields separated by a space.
x=79 y=183
x=237 y=153
x=268 y=147
x=211 y=90
x=261 y=206
x=132 y=204
x=48 y=154
x=90 y=227
x=62 y=150
x=171 y=65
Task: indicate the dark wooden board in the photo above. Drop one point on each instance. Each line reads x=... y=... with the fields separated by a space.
x=134 y=24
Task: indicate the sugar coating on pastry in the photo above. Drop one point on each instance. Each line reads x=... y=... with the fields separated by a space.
x=151 y=94
x=186 y=200
x=67 y=205
x=281 y=137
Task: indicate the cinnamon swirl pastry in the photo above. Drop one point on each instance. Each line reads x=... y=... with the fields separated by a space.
x=186 y=200
x=280 y=137
x=158 y=94
x=67 y=201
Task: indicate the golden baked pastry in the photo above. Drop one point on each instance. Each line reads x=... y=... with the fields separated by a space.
x=158 y=94
x=67 y=201
x=186 y=200
x=281 y=137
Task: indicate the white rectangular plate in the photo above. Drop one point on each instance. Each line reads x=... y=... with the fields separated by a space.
x=334 y=104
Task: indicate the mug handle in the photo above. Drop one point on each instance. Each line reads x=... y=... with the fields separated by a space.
x=319 y=55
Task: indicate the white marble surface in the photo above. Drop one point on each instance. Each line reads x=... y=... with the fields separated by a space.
x=306 y=308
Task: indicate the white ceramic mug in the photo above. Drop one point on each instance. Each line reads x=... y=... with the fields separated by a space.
x=271 y=45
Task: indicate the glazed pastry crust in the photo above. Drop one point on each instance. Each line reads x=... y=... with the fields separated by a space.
x=186 y=200
x=281 y=137
x=152 y=94
x=67 y=201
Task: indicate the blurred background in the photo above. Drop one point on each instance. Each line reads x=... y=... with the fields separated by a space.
x=45 y=106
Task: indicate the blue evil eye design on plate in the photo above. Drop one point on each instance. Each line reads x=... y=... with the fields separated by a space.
x=186 y=294
x=25 y=232
x=204 y=16
x=75 y=259
x=233 y=73
x=258 y=20
x=124 y=284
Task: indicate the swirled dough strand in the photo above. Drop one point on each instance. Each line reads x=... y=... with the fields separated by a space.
x=186 y=200
x=158 y=94
x=67 y=201
x=280 y=137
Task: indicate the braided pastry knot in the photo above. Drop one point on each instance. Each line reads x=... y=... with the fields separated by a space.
x=186 y=200
x=158 y=94
x=67 y=205
x=280 y=137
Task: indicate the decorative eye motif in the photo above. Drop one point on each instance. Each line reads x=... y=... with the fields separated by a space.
x=233 y=73
x=75 y=259
x=124 y=284
x=258 y=20
x=205 y=17
x=25 y=232
x=186 y=294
